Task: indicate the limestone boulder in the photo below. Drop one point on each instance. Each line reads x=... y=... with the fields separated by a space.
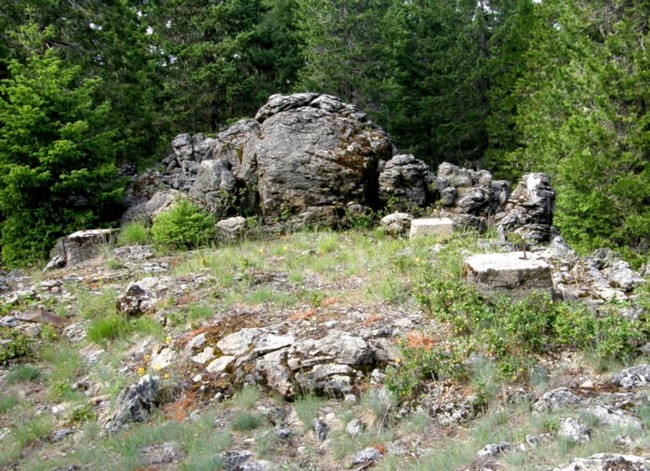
x=514 y=274
x=396 y=223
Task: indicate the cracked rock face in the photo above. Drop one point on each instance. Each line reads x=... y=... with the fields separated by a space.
x=529 y=210
x=404 y=182
x=314 y=158
x=135 y=403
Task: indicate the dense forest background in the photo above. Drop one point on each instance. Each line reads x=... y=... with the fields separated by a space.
x=559 y=86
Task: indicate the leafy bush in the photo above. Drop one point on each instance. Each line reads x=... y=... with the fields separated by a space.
x=184 y=226
x=13 y=345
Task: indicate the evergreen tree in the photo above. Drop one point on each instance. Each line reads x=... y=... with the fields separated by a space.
x=57 y=154
x=221 y=60
x=583 y=117
x=440 y=82
x=344 y=47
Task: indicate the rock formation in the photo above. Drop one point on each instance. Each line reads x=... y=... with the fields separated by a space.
x=302 y=160
x=310 y=159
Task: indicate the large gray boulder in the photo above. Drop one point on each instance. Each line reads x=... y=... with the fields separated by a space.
x=314 y=157
x=79 y=247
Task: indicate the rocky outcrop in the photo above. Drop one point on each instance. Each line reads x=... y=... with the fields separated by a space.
x=601 y=277
x=310 y=159
x=404 y=183
x=302 y=160
x=529 y=209
x=331 y=366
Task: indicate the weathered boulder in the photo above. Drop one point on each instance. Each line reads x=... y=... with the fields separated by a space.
x=555 y=400
x=396 y=223
x=442 y=228
x=573 y=430
x=134 y=403
x=470 y=198
x=231 y=228
x=514 y=274
x=314 y=157
x=404 y=183
x=529 y=210
x=79 y=247
x=214 y=187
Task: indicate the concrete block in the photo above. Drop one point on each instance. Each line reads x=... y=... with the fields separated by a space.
x=443 y=228
x=514 y=274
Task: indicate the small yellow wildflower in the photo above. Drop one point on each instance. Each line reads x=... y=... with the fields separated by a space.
x=168 y=339
x=141 y=371
x=166 y=376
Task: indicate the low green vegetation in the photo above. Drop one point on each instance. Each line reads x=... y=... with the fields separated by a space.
x=108 y=328
x=184 y=226
x=482 y=348
x=23 y=373
x=307 y=407
x=508 y=333
x=13 y=344
x=134 y=233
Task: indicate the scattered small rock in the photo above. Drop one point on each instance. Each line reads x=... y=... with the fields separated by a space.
x=366 y=456
x=135 y=403
x=574 y=430
x=321 y=429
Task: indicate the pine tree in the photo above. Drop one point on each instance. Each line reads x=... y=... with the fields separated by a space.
x=583 y=116
x=57 y=154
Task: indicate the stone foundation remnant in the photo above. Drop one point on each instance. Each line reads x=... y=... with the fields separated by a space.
x=514 y=274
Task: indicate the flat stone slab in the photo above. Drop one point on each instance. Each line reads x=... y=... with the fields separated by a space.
x=442 y=228
x=514 y=273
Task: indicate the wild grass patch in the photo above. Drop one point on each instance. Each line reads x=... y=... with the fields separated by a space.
x=23 y=374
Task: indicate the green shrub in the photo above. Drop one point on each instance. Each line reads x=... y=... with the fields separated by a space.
x=419 y=363
x=14 y=345
x=134 y=233
x=183 y=227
